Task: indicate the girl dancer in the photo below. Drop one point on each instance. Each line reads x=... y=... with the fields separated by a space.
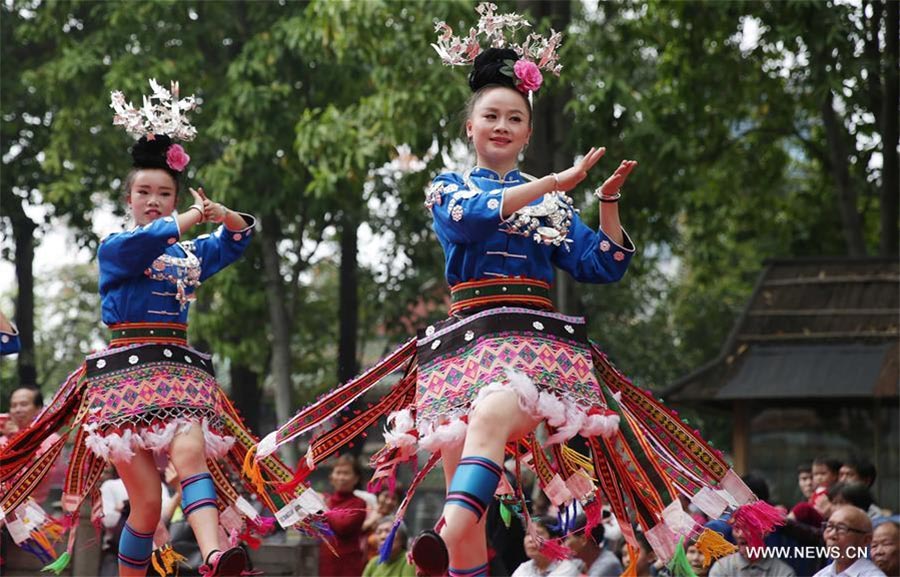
x=150 y=395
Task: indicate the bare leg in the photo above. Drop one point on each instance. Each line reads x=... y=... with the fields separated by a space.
x=188 y=455
x=497 y=419
x=144 y=487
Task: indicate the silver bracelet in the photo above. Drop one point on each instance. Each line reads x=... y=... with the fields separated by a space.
x=199 y=209
x=603 y=198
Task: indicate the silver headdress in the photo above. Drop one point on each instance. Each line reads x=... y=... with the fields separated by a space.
x=162 y=113
x=461 y=51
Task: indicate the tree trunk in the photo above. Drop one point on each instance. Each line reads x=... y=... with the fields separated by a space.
x=348 y=304
x=281 y=326
x=839 y=159
x=245 y=392
x=23 y=232
x=890 y=179
x=348 y=312
x=548 y=151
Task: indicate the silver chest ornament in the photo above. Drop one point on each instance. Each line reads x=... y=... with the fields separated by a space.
x=183 y=272
x=547 y=222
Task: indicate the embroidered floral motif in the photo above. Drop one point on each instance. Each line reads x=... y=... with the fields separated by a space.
x=493 y=204
x=619 y=256
x=456 y=213
x=434 y=196
x=604 y=245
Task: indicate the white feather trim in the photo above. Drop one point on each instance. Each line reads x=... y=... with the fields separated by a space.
x=602 y=425
x=528 y=393
x=97 y=445
x=445 y=435
x=158 y=439
x=216 y=445
x=402 y=420
x=399 y=436
x=573 y=422
x=551 y=408
x=120 y=446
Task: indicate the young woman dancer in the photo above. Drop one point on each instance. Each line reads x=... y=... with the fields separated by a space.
x=478 y=385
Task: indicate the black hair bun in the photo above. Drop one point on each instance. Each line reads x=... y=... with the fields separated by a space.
x=493 y=66
x=151 y=153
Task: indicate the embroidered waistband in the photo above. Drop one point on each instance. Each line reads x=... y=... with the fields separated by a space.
x=513 y=291
x=142 y=333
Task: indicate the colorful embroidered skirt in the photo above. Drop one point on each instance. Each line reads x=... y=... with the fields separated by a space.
x=140 y=396
x=640 y=456
x=543 y=356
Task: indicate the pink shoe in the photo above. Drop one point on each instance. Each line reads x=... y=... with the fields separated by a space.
x=230 y=563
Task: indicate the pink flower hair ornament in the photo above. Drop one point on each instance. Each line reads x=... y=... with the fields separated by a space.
x=177 y=158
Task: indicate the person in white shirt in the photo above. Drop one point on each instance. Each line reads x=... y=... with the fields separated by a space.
x=539 y=565
x=847 y=533
x=748 y=562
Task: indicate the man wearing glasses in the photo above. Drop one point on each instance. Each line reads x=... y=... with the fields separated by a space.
x=848 y=533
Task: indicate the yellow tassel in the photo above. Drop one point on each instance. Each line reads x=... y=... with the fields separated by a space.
x=160 y=570
x=631 y=570
x=251 y=470
x=713 y=546
x=42 y=540
x=578 y=461
x=166 y=559
x=53 y=531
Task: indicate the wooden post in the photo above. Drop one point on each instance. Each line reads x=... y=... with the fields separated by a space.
x=740 y=439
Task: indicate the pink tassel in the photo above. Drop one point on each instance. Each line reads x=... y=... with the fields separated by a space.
x=552 y=549
x=263 y=525
x=593 y=510
x=233 y=538
x=68 y=521
x=298 y=479
x=755 y=520
x=249 y=539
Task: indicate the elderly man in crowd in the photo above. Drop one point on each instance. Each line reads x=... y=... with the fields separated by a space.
x=749 y=562
x=848 y=533
x=885 y=547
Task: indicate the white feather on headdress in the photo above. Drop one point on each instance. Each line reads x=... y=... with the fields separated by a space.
x=162 y=113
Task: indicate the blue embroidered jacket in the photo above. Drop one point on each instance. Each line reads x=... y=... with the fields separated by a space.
x=147 y=275
x=9 y=343
x=479 y=244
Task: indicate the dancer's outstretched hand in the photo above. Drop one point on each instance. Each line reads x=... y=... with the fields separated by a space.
x=614 y=183
x=212 y=211
x=569 y=178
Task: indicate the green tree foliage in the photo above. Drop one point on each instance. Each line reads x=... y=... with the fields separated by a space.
x=756 y=125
